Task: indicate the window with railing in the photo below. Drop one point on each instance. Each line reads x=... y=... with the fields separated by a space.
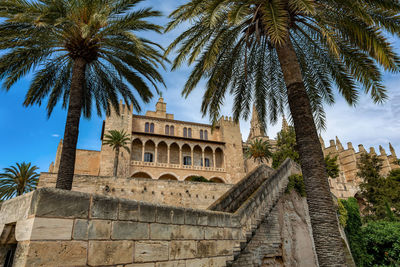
x=148 y=157
x=187 y=160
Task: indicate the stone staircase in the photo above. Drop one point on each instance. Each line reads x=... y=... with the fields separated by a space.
x=253 y=200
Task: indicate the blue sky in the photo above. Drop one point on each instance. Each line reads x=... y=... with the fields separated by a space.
x=27 y=135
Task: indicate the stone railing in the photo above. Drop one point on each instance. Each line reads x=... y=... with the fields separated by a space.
x=252 y=199
x=175 y=166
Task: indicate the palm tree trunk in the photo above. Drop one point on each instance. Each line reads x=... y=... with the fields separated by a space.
x=327 y=238
x=116 y=161
x=68 y=153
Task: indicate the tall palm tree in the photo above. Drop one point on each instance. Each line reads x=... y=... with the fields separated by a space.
x=84 y=53
x=116 y=140
x=17 y=180
x=259 y=150
x=290 y=52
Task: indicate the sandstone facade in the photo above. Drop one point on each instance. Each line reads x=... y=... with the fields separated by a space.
x=163 y=148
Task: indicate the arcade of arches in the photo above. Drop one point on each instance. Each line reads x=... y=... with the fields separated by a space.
x=184 y=155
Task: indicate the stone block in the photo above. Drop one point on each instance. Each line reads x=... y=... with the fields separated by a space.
x=191 y=217
x=182 y=250
x=23 y=229
x=147 y=212
x=128 y=210
x=192 y=232
x=51 y=229
x=110 y=252
x=16 y=209
x=207 y=262
x=56 y=253
x=213 y=233
x=148 y=251
x=170 y=215
x=99 y=229
x=172 y=264
x=130 y=230
x=104 y=208
x=202 y=218
x=161 y=231
x=211 y=248
x=80 y=231
x=148 y=264
x=51 y=202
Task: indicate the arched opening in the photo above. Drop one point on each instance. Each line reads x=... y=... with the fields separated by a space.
x=136 y=150
x=167 y=129
x=219 y=158
x=149 y=149
x=205 y=135
x=196 y=178
x=217 y=180
x=208 y=157
x=185 y=132
x=186 y=155
x=147 y=127
x=174 y=153
x=190 y=132
x=162 y=152
x=201 y=134
x=197 y=156
x=152 y=127
x=141 y=175
x=168 y=177
x=172 y=130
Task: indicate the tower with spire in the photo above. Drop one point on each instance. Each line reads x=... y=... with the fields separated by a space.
x=256 y=129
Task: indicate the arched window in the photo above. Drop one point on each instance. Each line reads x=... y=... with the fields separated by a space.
x=152 y=127
x=205 y=135
x=190 y=132
x=171 y=130
x=167 y=129
x=185 y=132
x=146 y=127
x=207 y=162
x=201 y=134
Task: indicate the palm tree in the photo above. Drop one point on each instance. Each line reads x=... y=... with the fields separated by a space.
x=259 y=150
x=17 y=180
x=116 y=140
x=84 y=53
x=281 y=53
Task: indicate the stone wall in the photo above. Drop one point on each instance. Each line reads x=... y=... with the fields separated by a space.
x=182 y=194
x=64 y=228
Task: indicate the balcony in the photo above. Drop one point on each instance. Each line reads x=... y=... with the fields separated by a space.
x=175 y=166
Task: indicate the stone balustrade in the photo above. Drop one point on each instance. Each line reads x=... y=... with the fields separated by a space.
x=175 y=166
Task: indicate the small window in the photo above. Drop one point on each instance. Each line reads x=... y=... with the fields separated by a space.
x=190 y=132
x=184 y=132
x=207 y=162
x=187 y=160
x=146 y=127
x=152 y=127
x=148 y=157
x=205 y=135
x=201 y=134
x=171 y=130
x=167 y=129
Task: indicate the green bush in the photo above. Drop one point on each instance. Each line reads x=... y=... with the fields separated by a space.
x=296 y=182
x=198 y=179
x=382 y=241
x=342 y=213
x=353 y=233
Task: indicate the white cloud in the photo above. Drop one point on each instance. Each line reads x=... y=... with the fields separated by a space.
x=55 y=135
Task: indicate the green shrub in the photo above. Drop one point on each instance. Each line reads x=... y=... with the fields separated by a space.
x=296 y=182
x=198 y=179
x=353 y=233
x=382 y=241
x=342 y=213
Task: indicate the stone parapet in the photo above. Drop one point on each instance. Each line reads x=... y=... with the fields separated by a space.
x=196 y=195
